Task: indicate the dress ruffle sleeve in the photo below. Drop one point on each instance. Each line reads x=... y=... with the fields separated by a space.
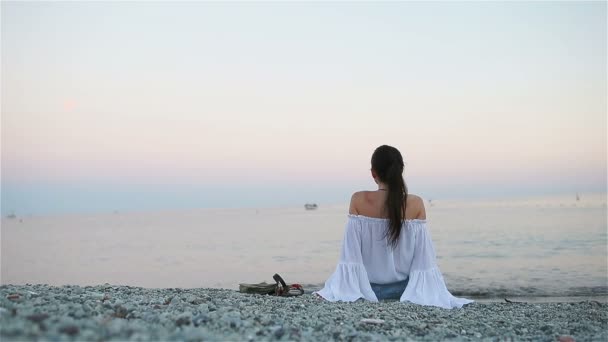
x=426 y=285
x=349 y=281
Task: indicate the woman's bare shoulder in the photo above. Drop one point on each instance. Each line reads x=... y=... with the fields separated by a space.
x=358 y=200
x=354 y=200
x=417 y=203
x=414 y=198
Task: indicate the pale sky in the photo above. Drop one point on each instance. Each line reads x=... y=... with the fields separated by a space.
x=163 y=105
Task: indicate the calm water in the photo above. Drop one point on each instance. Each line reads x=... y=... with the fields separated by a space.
x=533 y=247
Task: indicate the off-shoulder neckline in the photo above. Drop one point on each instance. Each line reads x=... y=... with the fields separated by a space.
x=383 y=219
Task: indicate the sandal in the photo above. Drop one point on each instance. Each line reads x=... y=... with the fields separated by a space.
x=261 y=288
x=283 y=290
x=280 y=288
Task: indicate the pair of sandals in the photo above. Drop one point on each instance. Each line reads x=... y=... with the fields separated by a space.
x=280 y=288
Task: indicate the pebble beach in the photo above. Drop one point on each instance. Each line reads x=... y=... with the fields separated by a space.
x=119 y=313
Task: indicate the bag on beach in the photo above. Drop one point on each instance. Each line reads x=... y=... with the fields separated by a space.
x=280 y=288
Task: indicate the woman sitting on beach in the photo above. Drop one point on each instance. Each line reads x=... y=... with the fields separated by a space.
x=387 y=252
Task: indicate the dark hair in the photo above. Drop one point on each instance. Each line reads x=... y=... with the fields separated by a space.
x=387 y=163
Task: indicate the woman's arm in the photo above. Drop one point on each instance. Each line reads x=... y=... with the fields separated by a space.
x=422 y=211
x=354 y=200
x=415 y=207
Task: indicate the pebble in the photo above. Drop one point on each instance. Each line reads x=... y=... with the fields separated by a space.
x=134 y=313
x=372 y=321
x=14 y=297
x=69 y=329
x=37 y=318
x=97 y=295
x=200 y=319
x=277 y=331
x=182 y=321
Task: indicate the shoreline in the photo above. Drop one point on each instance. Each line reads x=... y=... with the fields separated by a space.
x=541 y=299
x=310 y=288
x=498 y=297
x=115 y=312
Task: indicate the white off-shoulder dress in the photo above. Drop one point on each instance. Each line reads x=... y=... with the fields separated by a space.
x=367 y=257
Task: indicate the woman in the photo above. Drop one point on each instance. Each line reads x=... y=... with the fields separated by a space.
x=387 y=252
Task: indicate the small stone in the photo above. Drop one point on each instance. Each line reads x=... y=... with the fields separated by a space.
x=88 y=335
x=235 y=322
x=79 y=313
x=449 y=334
x=97 y=295
x=195 y=334
x=182 y=321
x=277 y=331
x=120 y=311
x=197 y=301
x=115 y=326
x=371 y=321
x=463 y=332
x=546 y=328
x=265 y=320
x=15 y=297
x=38 y=317
x=200 y=319
x=69 y=330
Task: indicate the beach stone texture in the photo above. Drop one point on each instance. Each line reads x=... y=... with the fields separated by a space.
x=126 y=313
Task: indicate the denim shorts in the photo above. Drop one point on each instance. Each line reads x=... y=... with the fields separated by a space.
x=389 y=291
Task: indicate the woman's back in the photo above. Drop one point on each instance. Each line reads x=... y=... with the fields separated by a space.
x=373 y=204
x=383 y=262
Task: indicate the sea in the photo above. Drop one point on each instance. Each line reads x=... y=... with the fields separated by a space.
x=539 y=249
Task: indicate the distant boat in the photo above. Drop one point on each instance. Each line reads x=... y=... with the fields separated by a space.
x=310 y=206
x=578 y=197
x=11 y=216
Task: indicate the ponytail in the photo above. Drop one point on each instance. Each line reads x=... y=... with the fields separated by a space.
x=395 y=202
x=388 y=164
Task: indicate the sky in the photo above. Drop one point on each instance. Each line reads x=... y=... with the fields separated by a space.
x=162 y=105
